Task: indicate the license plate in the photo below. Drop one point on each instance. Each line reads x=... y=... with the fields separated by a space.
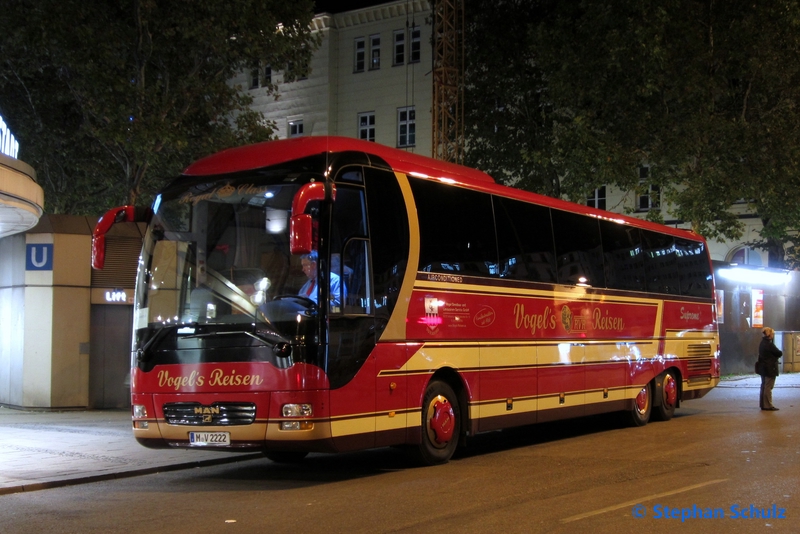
x=204 y=439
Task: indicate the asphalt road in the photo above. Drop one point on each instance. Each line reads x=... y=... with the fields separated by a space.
x=720 y=457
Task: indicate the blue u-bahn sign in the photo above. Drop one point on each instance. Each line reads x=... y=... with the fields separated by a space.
x=39 y=257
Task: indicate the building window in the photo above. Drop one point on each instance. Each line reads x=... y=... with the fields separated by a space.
x=295 y=72
x=597 y=199
x=416 y=46
x=399 y=47
x=254 y=78
x=650 y=195
x=296 y=128
x=268 y=75
x=366 y=126
x=406 y=127
x=360 y=54
x=374 y=52
x=745 y=255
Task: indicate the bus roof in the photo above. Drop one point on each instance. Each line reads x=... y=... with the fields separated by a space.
x=276 y=152
x=270 y=153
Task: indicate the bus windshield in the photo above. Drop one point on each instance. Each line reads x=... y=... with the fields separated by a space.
x=216 y=264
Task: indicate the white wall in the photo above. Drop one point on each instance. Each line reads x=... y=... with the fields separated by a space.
x=12 y=317
x=45 y=323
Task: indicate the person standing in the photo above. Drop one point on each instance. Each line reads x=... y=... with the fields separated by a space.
x=768 y=355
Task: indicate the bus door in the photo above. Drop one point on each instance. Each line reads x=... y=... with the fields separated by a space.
x=351 y=339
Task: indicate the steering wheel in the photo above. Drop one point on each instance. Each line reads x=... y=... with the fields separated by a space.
x=300 y=298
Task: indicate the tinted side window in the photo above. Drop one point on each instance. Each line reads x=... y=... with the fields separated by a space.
x=579 y=253
x=456 y=229
x=660 y=263
x=525 y=241
x=388 y=227
x=693 y=268
x=623 y=258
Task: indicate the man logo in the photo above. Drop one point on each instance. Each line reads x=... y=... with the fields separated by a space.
x=208 y=412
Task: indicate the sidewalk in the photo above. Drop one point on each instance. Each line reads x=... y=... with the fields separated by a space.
x=45 y=449
x=40 y=450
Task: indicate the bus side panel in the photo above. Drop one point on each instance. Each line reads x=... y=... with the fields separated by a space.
x=391 y=392
x=352 y=410
x=691 y=337
x=562 y=381
x=456 y=364
x=509 y=386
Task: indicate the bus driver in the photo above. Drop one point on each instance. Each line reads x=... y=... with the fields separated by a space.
x=309 y=289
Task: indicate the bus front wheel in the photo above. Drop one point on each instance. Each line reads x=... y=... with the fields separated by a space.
x=642 y=406
x=441 y=424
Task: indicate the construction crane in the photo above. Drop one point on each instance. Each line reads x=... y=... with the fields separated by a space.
x=448 y=87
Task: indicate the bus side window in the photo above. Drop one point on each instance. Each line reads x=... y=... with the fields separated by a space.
x=695 y=272
x=356 y=276
x=350 y=248
x=525 y=241
x=456 y=229
x=660 y=263
x=578 y=248
x=623 y=256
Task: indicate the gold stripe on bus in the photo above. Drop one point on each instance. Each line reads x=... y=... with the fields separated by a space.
x=619 y=352
x=560 y=294
x=518 y=356
x=320 y=431
x=396 y=326
x=432 y=358
x=571 y=399
x=347 y=427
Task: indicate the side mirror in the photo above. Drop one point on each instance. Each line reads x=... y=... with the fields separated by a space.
x=300 y=233
x=301 y=223
x=111 y=217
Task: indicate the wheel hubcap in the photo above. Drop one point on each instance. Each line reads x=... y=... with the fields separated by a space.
x=670 y=391
x=641 y=401
x=442 y=421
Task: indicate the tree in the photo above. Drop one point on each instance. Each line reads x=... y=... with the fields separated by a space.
x=706 y=93
x=508 y=115
x=109 y=98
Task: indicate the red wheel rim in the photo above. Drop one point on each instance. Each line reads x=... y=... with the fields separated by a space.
x=442 y=421
x=641 y=401
x=670 y=391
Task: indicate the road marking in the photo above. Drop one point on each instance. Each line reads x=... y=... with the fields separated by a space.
x=640 y=500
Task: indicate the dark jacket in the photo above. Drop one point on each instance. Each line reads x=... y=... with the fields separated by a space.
x=768 y=355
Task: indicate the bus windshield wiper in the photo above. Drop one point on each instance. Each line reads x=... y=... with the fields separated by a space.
x=144 y=354
x=265 y=335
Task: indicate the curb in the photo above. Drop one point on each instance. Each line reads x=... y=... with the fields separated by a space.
x=24 y=488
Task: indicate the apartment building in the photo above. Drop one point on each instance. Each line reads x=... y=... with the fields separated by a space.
x=370 y=79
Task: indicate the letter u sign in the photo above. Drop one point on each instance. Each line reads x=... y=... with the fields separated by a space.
x=39 y=257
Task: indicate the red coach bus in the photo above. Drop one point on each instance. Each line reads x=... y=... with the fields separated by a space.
x=451 y=305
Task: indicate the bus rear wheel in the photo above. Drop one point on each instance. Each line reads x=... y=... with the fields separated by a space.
x=667 y=394
x=441 y=424
x=642 y=406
